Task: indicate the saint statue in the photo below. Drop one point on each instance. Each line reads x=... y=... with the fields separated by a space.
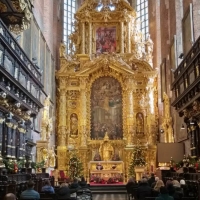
x=106 y=148
x=62 y=49
x=97 y=157
x=73 y=125
x=52 y=158
x=139 y=123
x=45 y=156
x=46 y=121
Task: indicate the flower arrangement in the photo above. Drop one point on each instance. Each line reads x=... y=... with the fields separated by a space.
x=38 y=166
x=11 y=165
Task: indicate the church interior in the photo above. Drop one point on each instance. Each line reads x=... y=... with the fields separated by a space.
x=101 y=89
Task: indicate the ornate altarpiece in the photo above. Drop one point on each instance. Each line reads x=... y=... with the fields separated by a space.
x=106 y=88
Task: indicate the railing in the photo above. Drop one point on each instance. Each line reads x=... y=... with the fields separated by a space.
x=187 y=78
x=14 y=60
x=187 y=61
x=19 y=77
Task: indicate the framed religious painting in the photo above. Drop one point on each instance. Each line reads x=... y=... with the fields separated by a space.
x=163 y=78
x=106 y=109
x=106 y=39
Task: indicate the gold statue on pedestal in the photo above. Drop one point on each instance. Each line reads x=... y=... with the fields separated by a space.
x=47 y=124
x=106 y=148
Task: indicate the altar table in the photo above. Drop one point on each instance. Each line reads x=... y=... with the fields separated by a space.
x=107 y=171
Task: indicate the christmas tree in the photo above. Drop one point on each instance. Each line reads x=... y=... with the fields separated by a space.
x=75 y=167
x=138 y=159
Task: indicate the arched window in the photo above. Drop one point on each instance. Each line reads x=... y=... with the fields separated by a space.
x=143 y=16
x=69 y=11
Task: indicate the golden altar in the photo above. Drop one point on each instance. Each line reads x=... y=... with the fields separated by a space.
x=110 y=93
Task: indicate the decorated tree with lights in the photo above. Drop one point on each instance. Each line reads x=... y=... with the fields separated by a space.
x=138 y=159
x=75 y=166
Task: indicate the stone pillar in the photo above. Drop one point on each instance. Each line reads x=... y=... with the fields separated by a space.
x=121 y=37
x=90 y=38
x=128 y=49
x=83 y=37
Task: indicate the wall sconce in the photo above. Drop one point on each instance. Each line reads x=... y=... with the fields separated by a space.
x=182 y=127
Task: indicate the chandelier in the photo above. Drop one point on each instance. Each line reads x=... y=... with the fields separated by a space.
x=106 y=5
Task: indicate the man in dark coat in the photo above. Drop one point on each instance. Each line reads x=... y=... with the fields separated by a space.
x=164 y=194
x=151 y=180
x=64 y=192
x=144 y=190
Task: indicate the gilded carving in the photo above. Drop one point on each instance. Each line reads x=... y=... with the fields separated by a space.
x=85 y=107
x=25 y=7
x=47 y=124
x=167 y=120
x=2 y=120
x=3 y=7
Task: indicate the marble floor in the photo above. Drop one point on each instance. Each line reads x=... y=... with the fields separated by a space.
x=109 y=197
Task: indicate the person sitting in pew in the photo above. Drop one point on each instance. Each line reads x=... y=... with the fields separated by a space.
x=10 y=196
x=164 y=194
x=30 y=193
x=64 y=192
x=47 y=188
x=83 y=183
x=144 y=190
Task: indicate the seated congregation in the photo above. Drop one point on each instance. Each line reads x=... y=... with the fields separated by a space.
x=153 y=188
x=66 y=191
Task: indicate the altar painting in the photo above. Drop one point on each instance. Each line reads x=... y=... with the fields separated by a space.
x=105 y=39
x=106 y=109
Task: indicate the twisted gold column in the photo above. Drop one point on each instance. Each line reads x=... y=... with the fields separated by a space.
x=128 y=38
x=122 y=37
x=83 y=101
x=83 y=37
x=62 y=119
x=62 y=135
x=90 y=37
x=130 y=117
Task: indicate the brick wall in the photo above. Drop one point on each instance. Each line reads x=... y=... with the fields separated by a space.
x=48 y=16
x=165 y=18
x=196 y=18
